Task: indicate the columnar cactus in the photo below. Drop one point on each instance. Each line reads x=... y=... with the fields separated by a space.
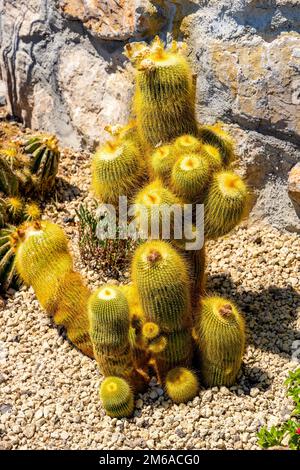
x=161 y=277
x=220 y=337
x=164 y=100
x=44 y=262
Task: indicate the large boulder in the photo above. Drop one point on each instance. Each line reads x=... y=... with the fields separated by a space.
x=63 y=66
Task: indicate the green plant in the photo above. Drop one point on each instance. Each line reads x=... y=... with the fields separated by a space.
x=161 y=163
x=190 y=177
x=289 y=431
x=110 y=256
x=217 y=137
x=8 y=275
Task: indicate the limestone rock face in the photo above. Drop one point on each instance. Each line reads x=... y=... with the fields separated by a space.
x=64 y=70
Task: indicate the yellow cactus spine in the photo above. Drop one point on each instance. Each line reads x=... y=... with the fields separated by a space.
x=187 y=144
x=109 y=331
x=152 y=203
x=44 y=262
x=117 y=397
x=181 y=385
x=214 y=156
x=117 y=170
x=164 y=100
x=220 y=336
x=190 y=177
x=162 y=162
x=32 y=211
x=225 y=204
x=217 y=137
x=161 y=277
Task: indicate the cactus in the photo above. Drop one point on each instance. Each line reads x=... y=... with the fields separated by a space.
x=186 y=144
x=217 y=137
x=190 y=177
x=161 y=277
x=32 y=212
x=44 y=159
x=44 y=262
x=220 y=336
x=8 y=274
x=117 y=170
x=109 y=331
x=117 y=397
x=14 y=207
x=71 y=312
x=9 y=183
x=3 y=212
x=152 y=203
x=214 y=156
x=181 y=384
x=225 y=204
x=164 y=100
x=162 y=162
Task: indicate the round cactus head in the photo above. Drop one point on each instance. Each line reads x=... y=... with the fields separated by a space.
x=32 y=211
x=117 y=397
x=181 y=384
x=225 y=204
x=187 y=144
x=190 y=176
x=214 y=156
x=162 y=161
x=216 y=136
x=150 y=330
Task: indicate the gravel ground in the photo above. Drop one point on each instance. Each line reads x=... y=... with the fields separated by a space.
x=49 y=390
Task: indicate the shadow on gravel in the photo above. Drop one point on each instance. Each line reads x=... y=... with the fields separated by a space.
x=65 y=191
x=269 y=313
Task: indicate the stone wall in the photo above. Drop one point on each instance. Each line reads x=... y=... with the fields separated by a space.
x=63 y=66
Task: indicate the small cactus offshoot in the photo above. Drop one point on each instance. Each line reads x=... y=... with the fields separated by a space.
x=190 y=177
x=181 y=385
x=8 y=274
x=117 y=397
x=217 y=137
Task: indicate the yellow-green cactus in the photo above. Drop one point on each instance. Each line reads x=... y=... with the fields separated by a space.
x=181 y=384
x=164 y=100
x=217 y=137
x=190 y=177
x=117 y=397
x=117 y=170
x=220 y=337
x=109 y=331
x=225 y=204
x=161 y=277
x=7 y=258
x=186 y=144
x=9 y=183
x=162 y=161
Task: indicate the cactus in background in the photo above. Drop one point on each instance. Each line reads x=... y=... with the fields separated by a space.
x=161 y=163
x=14 y=207
x=117 y=397
x=181 y=384
x=220 y=336
x=225 y=204
x=32 y=212
x=8 y=275
x=190 y=177
x=44 y=262
x=44 y=159
x=164 y=99
x=109 y=331
x=9 y=183
x=3 y=212
x=117 y=170
x=217 y=137
x=160 y=275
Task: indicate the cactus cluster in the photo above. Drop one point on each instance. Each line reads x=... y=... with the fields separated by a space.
x=163 y=323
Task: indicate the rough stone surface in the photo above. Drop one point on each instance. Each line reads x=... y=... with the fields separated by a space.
x=63 y=66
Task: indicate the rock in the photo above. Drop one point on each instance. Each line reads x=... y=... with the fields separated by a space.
x=254 y=392
x=116 y=21
x=29 y=431
x=2 y=93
